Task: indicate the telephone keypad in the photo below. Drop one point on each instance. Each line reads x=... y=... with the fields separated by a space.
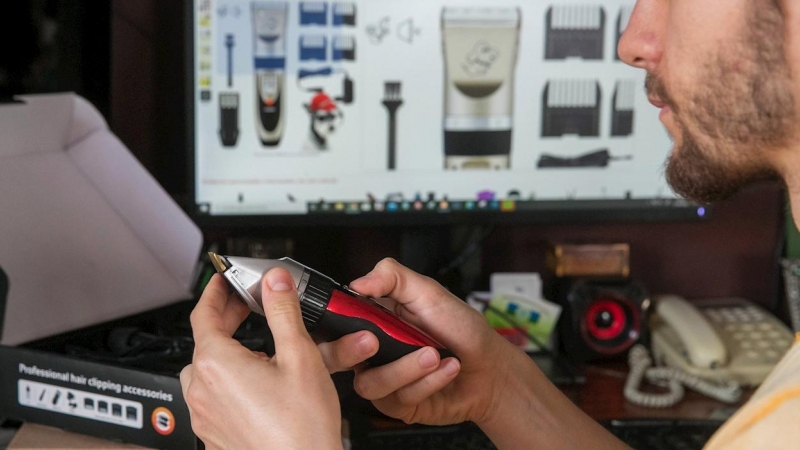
x=748 y=328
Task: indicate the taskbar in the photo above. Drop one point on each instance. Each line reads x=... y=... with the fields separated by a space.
x=497 y=206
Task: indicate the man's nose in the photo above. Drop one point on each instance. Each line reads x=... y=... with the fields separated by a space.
x=641 y=45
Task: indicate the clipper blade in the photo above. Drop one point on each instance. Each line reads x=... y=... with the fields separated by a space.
x=219 y=262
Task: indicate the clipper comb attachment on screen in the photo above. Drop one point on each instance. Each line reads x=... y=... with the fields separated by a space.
x=575 y=31
x=313 y=47
x=571 y=107
x=622 y=23
x=313 y=13
x=622 y=108
x=344 y=14
x=344 y=48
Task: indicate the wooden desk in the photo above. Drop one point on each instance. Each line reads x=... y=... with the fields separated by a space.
x=601 y=397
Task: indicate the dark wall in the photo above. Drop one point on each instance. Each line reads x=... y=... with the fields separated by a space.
x=732 y=254
x=147 y=86
x=56 y=46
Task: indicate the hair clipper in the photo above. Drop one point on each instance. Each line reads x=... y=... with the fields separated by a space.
x=330 y=310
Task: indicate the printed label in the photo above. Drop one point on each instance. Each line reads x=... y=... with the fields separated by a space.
x=80 y=404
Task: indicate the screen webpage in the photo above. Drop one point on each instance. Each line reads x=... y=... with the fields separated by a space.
x=405 y=105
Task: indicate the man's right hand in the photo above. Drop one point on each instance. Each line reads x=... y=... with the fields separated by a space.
x=421 y=388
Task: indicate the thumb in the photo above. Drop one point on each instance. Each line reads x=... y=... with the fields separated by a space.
x=282 y=309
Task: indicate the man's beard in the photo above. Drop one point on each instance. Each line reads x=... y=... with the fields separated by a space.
x=730 y=123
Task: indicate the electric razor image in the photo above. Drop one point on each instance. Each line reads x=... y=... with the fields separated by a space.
x=330 y=310
x=269 y=57
x=480 y=50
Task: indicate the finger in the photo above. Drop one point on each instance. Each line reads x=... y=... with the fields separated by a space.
x=391 y=279
x=424 y=303
x=381 y=381
x=261 y=355
x=212 y=317
x=186 y=379
x=282 y=309
x=416 y=392
x=346 y=352
x=236 y=311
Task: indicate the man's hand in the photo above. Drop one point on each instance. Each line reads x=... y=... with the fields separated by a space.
x=242 y=399
x=419 y=387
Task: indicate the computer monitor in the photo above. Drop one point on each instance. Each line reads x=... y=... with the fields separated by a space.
x=420 y=111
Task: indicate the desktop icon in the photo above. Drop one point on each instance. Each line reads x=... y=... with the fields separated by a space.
x=366 y=206
x=508 y=206
x=444 y=205
x=391 y=206
x=418 y=205
x=339 y=206
x=486 y=195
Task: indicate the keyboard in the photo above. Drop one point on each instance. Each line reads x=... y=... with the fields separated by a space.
x=664 y=434
x=452 y=437
x=656 y=434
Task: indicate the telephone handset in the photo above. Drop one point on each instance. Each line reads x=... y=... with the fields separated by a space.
x=710 y=345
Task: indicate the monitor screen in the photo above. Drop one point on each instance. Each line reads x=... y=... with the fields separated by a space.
x=421 y=108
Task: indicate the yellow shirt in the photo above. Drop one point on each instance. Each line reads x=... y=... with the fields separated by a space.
x=771 y=418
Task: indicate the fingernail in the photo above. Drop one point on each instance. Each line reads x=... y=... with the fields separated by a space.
x=451 y=366
x=279 y=280
x=364 y=344
x=428 y=359
x=360 y=280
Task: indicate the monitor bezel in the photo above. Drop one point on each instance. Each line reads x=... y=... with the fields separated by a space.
x=589 y=211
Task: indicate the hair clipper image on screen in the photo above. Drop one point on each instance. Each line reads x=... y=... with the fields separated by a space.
x=571 y=107
x=229 y=102
x=480 y=51
x=269 y=55
x=574 y=31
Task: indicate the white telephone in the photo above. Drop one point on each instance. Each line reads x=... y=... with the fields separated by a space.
x=712 y=346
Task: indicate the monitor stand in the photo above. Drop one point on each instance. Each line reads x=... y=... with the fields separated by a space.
x=439 y=252
x=425 y=249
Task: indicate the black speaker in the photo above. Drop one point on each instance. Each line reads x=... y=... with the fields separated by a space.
x=602 y=318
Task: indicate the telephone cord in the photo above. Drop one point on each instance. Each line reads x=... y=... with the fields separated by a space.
x=673 y=379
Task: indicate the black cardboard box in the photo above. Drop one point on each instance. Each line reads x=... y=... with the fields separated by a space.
x=72 y=381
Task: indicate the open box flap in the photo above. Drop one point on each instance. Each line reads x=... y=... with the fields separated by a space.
x=87 y=234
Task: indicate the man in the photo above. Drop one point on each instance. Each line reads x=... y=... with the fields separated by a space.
x=724 y=74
